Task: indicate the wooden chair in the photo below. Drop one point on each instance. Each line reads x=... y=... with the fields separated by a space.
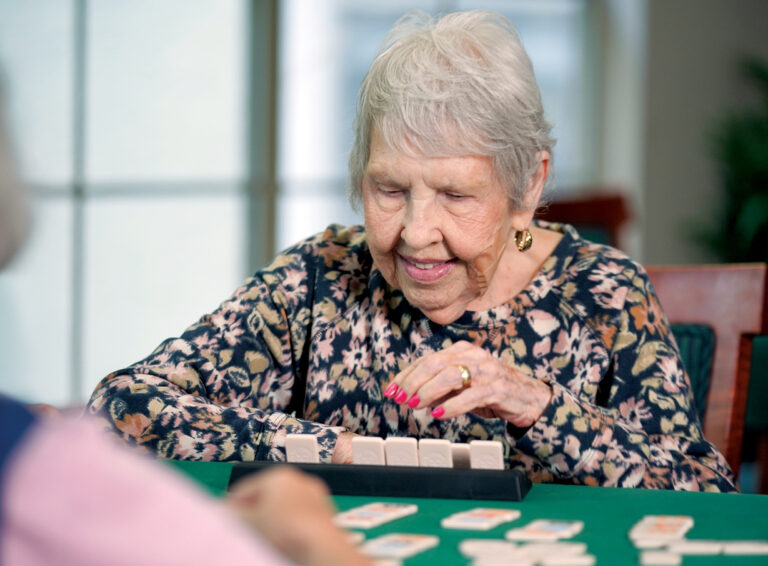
x=598 y=216
x=732 y=300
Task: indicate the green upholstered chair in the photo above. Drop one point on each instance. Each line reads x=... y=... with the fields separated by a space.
x=697 y=349
x=731 y=301
x=757 y=409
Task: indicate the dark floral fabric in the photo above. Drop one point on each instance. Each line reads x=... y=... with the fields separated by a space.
x=308 y=343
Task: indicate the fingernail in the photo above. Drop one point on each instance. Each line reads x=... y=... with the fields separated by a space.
x=438 y=412
x=414 y=401
x=390 y=391
x=401 y=396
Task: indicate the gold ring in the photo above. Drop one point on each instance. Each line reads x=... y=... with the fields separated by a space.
x=466 y=376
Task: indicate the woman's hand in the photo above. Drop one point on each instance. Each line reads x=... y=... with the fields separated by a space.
x=342 y=452
x=292 y=510
x=494 y=389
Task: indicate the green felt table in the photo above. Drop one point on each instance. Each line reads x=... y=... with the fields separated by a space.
x=607 y=513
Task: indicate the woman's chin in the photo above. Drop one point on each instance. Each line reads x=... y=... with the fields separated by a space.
x=439 y=312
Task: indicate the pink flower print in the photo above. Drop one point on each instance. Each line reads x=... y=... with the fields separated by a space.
x=391 y=415
x=356 y=356
x=179 y=345
x=589 y=345
x=416 y=338
x=572 y=447
x=486 y=318
x=236 y=303
x=339 y=287
x=196 y=445
x=276 y=389
x=360 y=329
x=591 y=460
x=363 y=420
x=566 y=340
x=174 y=416
x=559 y=463
x=660 y=456
x=323 y=388
x=607 y=270
x=334 y=419
x=684 y=481
x=672 y=372
x=541 y=286
x=674 y=444
x=294 y=285
x=587 y=373
x=634 y=412
x=204 y=341
x=544 y=369
x=384 y=360
x=542 y=322
x=613 y=299
x=542 y=347
x=366 y=380
x=156 y=360
x=605 y=286
x=323 y=350
x=228 y=326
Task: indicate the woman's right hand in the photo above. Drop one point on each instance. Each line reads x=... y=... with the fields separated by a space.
x=292 y=511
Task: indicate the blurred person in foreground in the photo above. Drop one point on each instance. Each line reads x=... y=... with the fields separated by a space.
x=71 y=495
x=451 y=313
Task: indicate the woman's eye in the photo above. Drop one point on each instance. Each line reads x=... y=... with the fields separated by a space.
x=390 y=191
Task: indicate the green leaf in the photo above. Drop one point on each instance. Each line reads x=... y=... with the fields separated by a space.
x=752 y=218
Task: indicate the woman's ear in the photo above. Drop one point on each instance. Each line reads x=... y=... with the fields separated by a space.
x=537 y=181
x=523 y=218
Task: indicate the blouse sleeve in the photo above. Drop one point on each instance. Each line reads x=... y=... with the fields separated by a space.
x=75 y=498
x=225 y=389
x=641 y=428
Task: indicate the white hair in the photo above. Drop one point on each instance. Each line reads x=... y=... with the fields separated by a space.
x=13 y=206
x=458 y=85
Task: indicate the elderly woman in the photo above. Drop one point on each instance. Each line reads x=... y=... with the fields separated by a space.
x=451 y=314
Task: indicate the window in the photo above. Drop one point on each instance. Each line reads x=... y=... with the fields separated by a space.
x=129 y=120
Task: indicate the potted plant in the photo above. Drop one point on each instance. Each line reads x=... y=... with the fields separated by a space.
x=740 y=233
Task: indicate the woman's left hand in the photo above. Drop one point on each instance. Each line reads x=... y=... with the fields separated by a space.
x=493 y=389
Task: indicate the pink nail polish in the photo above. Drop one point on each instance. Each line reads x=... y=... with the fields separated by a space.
x=438 y=412
x=389 y=392
x=413 y=401
x=401 y=396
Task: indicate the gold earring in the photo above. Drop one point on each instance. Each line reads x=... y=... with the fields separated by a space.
x=523 y=239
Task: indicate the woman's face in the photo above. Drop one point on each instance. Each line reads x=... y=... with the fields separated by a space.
x=437 y=227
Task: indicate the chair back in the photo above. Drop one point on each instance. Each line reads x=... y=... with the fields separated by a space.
x=731 y=300
x=597 y=216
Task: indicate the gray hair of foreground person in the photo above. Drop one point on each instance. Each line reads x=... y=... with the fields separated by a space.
x=13 y=209
x=458 y=85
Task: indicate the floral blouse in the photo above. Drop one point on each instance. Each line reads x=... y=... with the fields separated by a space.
x=308 y=343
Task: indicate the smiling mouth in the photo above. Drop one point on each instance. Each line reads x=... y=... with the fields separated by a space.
x=428 y=270
x=422 y=265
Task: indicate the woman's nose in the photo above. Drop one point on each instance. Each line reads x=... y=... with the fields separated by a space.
x=421 y=224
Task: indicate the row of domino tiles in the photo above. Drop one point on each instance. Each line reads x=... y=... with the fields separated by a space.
x=404 y=451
